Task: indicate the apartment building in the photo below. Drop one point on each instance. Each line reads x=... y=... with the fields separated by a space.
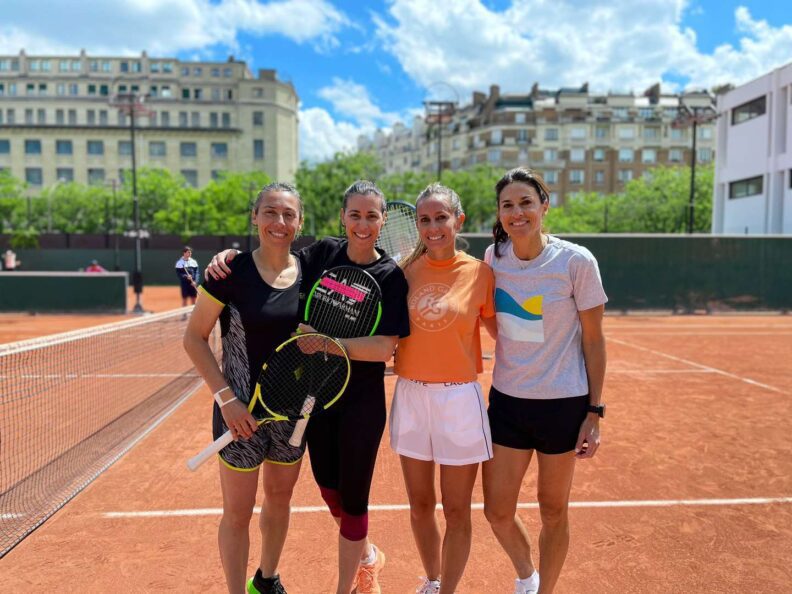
x=753 y=167
x=579 y=141
x=59 y=121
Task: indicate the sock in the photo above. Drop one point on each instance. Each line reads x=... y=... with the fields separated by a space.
x=532 y=581
x=371 y=558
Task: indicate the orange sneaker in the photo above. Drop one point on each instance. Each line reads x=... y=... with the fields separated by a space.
x=367 y=574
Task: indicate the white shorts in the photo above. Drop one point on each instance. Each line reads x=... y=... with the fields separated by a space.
x=444 y=423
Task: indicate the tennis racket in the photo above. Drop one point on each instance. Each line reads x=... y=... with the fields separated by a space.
x=346 y=302
x=303 y=377
x=399 y=235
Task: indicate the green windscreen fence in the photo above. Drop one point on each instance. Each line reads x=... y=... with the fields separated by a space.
x=56 y=292
x=687 y=273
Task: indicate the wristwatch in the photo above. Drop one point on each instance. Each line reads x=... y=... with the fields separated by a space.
x=599 y=409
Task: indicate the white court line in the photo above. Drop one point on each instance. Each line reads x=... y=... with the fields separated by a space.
x=312 y=509
x=642 y=371
x=715 y=333
x=699 y=365
x=97 y=375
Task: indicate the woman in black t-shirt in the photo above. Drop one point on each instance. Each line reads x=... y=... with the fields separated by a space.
x=257 y=307
x=343 y=442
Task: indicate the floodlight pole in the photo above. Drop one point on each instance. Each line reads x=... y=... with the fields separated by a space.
x=442 y=108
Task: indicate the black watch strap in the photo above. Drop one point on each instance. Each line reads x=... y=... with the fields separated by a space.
x=599 y=409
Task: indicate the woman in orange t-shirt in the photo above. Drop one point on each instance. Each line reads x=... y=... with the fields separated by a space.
x=438 y=414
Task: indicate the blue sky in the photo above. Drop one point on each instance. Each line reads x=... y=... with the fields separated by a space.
x=359 y=66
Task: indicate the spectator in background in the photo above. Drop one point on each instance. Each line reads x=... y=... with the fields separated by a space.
x=187 y=271
x=94 y=266
x=10 y=261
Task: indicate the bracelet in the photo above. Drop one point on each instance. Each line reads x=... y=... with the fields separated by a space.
x=217 y=398
x=229 y=400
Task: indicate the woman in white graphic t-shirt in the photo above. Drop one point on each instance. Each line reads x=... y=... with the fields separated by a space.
x=547 y=382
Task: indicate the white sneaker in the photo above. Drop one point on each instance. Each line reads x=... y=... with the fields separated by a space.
x=428 y=586
x=529 y=585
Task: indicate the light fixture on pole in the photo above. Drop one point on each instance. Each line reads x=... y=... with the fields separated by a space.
x=132 y=105
x=692 y=116
x=441 y=103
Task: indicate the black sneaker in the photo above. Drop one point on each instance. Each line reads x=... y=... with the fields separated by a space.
x=261 y=585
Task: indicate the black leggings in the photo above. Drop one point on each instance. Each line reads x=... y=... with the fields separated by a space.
x=343 y=444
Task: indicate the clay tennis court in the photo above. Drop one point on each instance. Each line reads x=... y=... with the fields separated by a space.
x=690 y=492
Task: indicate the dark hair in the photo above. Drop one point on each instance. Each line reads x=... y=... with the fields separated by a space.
x=363 y=187
x=518 y=175
x=278 y=187
x=454 y=203
x=186 y=248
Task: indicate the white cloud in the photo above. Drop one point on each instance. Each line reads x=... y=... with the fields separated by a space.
x=161 y=26
x=352 y=100
x=321 y=136
x=624 y=46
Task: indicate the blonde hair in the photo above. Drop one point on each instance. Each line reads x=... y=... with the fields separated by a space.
x=454 y=204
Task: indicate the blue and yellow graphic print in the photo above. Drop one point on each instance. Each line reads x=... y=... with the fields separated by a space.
x=519 y=321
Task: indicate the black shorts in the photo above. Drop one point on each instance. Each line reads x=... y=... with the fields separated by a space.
x=547 y=426
x=187 y=290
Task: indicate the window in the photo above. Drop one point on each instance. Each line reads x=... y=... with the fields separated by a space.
x=219 y=150
x=124 y=147
x=704 y=155
x=183 y=119
x=496 y=136
x=748 y=111
x=167 y=66
x=226 y=120
x=10 y=117
x=599 y=177
x=5 y=146
x=95 y=147
x=551 y=134
x=705 y=133
x=185 y=93
x=63 y=147
x=136 y=67
x=60 y=89
x=455 y=144
x=577 y=155
x=96 y=177
x=648 y=156
x=190 y=177
x=164 y=119
x=197 y=94
x=576 y=176
x=677 y=133
x=34 y=65
x=72 y=117
x=553 y=198
x=91 y=117
x=32 y=147
x=197 y=71
x=195 y=119
x=519 y=118
x=33 y=176
x=258 y=92
x=227 y=72
x=103 y=117
x=28 y=116
x=213 y=120
x=651 y=133
x=620 y=112
x=601 y=132
x=216 y=94
x=626 y=132
x=124 y=66
x=188 y=149
x=185 y=71
x=494 y=155
x=74 y=89
x=165 y=91
x=154 y=67
x=216 y=72
x=746 y=187
x=65 y=174
x=258 y=149
x=599 y=154
x=626 y=155
x=624 y=175
x=551 y=177
x=258 y=118
x=675 y=155
x=92 y=89
x=157 y=149
x=577 y=133
x=550 y=155
x=522 y=136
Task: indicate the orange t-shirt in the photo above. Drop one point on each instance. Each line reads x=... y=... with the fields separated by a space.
x=445 y=300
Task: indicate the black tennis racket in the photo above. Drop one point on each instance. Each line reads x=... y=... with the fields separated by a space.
x=399 y=235
x=303 y=377
x=346 y=302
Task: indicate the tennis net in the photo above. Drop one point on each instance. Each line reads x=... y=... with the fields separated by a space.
x=71 y=404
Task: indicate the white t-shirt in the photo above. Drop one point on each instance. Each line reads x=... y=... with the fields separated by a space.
x=539 y=354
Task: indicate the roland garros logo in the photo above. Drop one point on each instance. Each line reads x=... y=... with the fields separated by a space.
x=429 y=307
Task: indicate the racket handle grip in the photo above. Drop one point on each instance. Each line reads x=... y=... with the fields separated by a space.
x=297 y=435
x=210 y=450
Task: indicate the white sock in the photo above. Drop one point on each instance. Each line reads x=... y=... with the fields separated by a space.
x=531 y=582
x=371 y=558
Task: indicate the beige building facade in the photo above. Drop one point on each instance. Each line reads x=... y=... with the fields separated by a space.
x=59 y=121
x=579 y=141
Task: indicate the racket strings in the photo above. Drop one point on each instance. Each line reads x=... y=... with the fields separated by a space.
x=309 y=365
x=345 y=303
x=399 y=234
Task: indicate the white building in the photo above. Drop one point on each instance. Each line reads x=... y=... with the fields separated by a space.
x=753 y=164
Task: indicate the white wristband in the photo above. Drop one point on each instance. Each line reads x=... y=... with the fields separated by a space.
x=229 y=400
x=219 y=400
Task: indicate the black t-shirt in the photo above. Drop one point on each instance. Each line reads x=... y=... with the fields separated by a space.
x=256 y=319
x=331 y=252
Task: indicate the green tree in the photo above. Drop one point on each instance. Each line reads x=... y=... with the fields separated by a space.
x=12 y=201
x=322 y=186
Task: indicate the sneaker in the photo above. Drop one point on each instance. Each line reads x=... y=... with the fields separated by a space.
x=529 y=585
x=367 y=574
x=262 y=585
x=428 y=586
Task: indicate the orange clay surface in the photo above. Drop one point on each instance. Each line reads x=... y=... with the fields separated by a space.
x=691 y=490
